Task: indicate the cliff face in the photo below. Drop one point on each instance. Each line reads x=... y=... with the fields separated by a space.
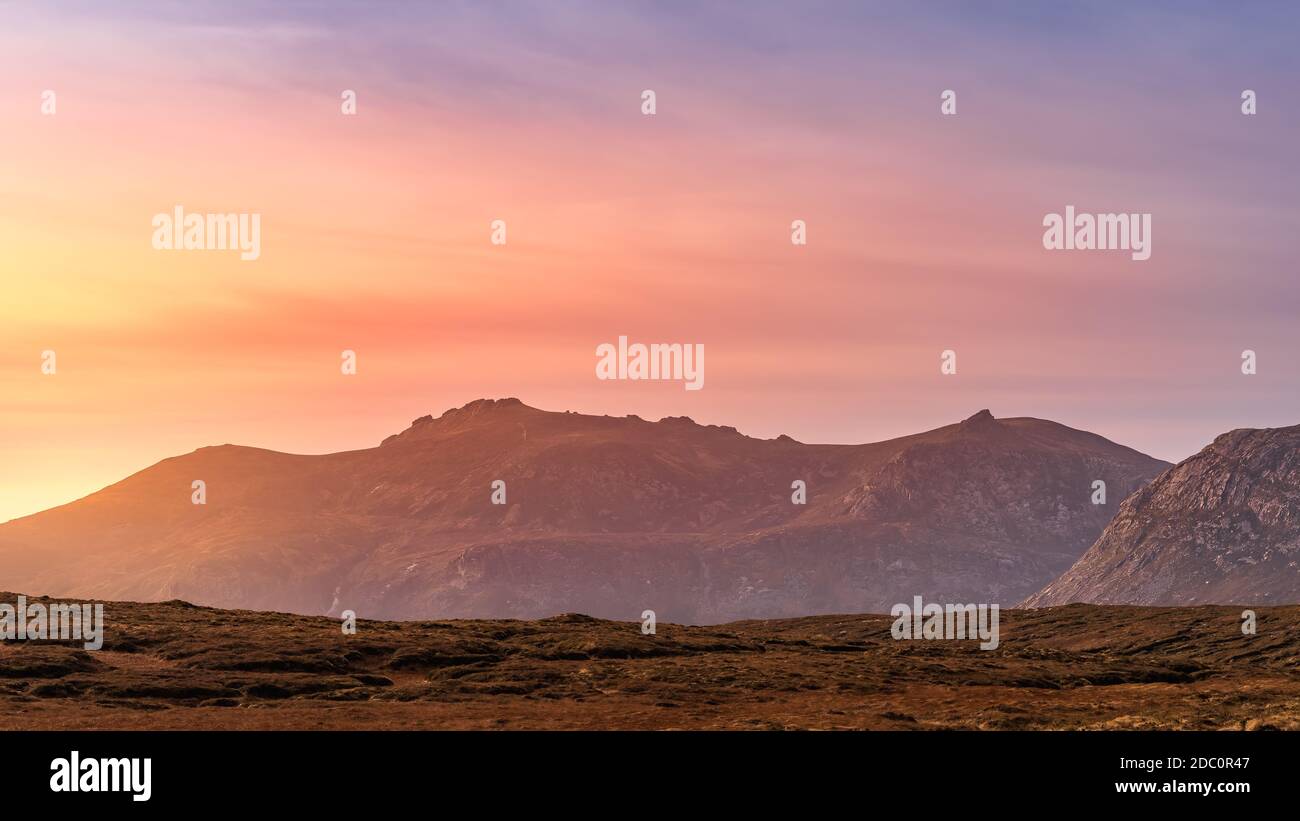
x=602 y=515
x=1220 y=527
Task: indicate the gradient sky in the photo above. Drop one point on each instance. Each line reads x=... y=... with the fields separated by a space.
x=924 y=230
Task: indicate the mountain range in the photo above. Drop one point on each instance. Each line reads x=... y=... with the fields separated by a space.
x=608 y=516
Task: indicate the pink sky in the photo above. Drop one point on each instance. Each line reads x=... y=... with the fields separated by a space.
x=924 y=231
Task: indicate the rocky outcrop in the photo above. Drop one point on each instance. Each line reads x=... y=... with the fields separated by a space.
x=1221 y=527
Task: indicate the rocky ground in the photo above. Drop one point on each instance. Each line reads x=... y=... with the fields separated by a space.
x=177 y=666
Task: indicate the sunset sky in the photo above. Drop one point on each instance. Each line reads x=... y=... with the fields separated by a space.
x=924 y=230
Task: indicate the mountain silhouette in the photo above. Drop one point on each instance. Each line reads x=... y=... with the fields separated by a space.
x=603 y=515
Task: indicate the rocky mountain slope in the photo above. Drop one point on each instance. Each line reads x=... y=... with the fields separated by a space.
x=606 y=516
x=1221 y=527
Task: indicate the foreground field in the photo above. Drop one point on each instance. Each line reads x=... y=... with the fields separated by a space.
x=177 y=666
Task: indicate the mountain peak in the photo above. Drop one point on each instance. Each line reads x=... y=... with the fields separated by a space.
x=478 y=408
x=980 y=418
x=481 y=406
x=486 y=409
